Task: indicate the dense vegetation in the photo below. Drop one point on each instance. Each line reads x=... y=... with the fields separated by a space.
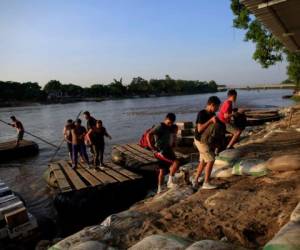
x=55 y=90
x=268 y=50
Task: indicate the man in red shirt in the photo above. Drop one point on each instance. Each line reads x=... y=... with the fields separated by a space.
x=226 y=115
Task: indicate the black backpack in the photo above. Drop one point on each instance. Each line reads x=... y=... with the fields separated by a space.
x=214 y=135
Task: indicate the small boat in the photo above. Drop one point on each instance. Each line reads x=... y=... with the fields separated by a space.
x=16 y=223
x=260 y=116
x=9 y=151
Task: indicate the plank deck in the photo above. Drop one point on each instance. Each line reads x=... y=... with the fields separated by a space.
x=75 y=179
x=131 y=154
x=83 y=177
x=61 y=180
x=124 y=171
x=137 y=152
x=88 y=176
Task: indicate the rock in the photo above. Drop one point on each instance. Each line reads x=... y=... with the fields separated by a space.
x=284 y=163
x=295 y=216
x=90 y=245
x=213 y=245
x=156 y=242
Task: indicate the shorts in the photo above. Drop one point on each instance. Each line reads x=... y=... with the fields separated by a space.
x=166 y=158
x=206 y=154
x=20 y=135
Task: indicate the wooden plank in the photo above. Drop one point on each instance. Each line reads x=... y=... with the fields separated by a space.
x=62 y=182
x=123 y=171
x=141 y=154
x=115 y=174
x=101 y=176
x=73 y=176
x=87 y=176
x=143 y=150
x=130 y=154
x=135 y=154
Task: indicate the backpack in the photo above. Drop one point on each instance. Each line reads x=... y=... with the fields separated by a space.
x=144 y=139
x=214 y=135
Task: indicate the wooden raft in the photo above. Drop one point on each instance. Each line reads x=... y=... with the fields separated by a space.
x=68 y=179
x=141 y=156
x=8 y=150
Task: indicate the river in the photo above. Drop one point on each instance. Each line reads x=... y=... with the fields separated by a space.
x=124 y=119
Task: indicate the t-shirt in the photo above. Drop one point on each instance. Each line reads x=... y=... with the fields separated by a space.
x=163 y=136
x=91 y=122
x=225 y=108
x=202 y=117
x=97 y=135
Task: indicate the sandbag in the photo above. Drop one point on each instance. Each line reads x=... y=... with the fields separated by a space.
x=90 y=245
x=295 y=215
x=229 y=155
x=213 y=245
x=254 y=167
x=284 y=163
x=288 y=238
x=93 y=233
x=166 y=242
x=221 y=172
x=221 y=163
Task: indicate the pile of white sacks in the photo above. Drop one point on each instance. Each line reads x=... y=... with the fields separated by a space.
x=232 y=162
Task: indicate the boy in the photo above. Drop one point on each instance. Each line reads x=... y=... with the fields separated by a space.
x=68 y=135
x=164 y=141
x=96 y=138
x=226 y=114
x=20 y=129
x=90 y=121
x=205 y=120
x=78 y=132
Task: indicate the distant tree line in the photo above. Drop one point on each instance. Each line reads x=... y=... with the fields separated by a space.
x=55 y=90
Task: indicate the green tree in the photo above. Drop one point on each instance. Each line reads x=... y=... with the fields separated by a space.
x=72 y=90
x=117 y=89
x=139 y=86
x=53 y=86
x=268 y=49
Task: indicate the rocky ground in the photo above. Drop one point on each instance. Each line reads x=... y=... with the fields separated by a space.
x=245 y=210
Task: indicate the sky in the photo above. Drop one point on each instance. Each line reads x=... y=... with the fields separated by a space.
x=89 y=42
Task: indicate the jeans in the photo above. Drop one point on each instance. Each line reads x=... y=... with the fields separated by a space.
x=98 y=151
x=81 y=149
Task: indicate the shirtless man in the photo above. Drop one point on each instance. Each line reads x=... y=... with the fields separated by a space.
x=78 y=146
x=68 y=135
x=20 y=129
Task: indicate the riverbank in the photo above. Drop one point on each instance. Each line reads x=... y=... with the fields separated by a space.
x=66 y=100
x=245 y=210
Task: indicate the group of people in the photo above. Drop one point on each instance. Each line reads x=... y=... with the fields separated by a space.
x=209 y=139
x=78 y=137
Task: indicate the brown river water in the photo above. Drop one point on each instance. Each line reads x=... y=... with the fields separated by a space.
x=124 y=119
